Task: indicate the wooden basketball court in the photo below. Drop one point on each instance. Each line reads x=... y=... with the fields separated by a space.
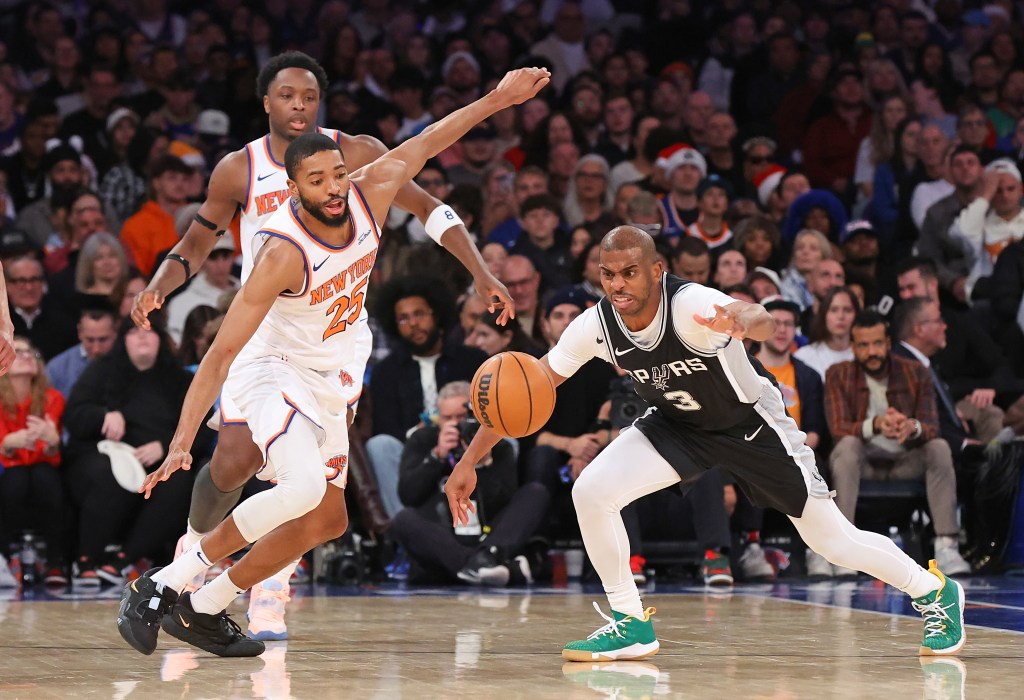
x=782 y=641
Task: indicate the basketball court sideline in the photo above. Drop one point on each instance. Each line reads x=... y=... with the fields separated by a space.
x=787 y=640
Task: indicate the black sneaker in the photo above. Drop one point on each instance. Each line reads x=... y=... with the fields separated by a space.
x=217 y=634
x=484 y=559
x=142 y=608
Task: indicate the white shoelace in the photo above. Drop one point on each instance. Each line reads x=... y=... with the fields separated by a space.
x=934 y=616
x=611 y=628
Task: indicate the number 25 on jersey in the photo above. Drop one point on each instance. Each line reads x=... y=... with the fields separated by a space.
x=346 y=310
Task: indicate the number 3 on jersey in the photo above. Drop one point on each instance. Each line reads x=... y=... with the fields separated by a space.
x=352 y=304
x=683 y=400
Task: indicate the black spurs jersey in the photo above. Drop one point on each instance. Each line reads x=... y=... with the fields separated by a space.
x=692 y=375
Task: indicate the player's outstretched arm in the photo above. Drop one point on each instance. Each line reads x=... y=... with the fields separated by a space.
x=224 y=196
x=6 y=328
x=279 y=268
x=462 y=482
x=382 y=178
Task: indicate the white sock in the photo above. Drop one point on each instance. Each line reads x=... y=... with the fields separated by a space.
x=179 y=572
x=282 y=577
x=216 y=595
x=192 y=536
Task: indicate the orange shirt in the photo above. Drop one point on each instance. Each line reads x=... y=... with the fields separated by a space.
x=786 y=377
x=146 y=234
x=53 y=408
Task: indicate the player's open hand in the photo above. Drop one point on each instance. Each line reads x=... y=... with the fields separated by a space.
x=177 y=458
x=724 y=321
x=145 y=302
x=458 y=489
x=520 y=85
x=496 y=296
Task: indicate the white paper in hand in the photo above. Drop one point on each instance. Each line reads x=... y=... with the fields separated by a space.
x=128 y=471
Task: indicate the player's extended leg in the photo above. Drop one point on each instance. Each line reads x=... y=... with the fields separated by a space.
x=300 y=488
x=603 y=489
x=939 y=599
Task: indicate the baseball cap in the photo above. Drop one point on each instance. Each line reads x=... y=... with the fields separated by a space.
x=225 y=241
x=14 y=243
x=60 y=153
x=118 y=114
x=568 y=294
x=780 y=302
x=213 y=122
x=759 y=141
x=856 y=227
x=680 y=154
x=481 y=132
x=449 y=62
x=765 y=273
x=714 y=180
x=1004 y=165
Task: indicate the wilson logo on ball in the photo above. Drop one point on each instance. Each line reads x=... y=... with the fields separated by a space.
x=482 y=401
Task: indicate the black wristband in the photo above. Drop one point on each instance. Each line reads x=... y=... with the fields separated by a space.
x=184 y=263
x=204 y=222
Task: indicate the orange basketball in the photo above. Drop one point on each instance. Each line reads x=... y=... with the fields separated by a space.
x=512 y=394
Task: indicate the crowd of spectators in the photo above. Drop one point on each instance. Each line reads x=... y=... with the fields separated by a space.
x=856 y=167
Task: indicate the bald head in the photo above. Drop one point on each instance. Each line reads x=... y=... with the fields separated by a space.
x=623 y=238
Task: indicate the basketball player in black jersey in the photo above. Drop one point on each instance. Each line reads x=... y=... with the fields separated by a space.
x=711 y=405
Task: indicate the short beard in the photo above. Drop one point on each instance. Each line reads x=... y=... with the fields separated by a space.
x=421 y=349
x=318 y=213
x=883 y=369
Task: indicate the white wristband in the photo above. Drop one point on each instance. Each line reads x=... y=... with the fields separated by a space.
x=440 y=220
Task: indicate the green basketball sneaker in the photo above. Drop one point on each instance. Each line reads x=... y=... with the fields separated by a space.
x=943 y=612
x=624 y=637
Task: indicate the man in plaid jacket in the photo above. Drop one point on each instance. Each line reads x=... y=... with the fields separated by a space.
x=882 y=413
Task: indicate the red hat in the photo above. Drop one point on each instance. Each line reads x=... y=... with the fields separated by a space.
x=766 y=182
x=681 y=154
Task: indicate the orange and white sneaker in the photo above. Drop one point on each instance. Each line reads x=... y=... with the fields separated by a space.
x=196 y=583
x=266 y=611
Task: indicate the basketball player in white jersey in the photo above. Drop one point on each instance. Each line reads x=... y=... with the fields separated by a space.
x=278 y=355
x=254 y=180
x=711 y=405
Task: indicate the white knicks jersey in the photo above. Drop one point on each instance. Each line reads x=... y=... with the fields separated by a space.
x=266 y=192
x=318 y=327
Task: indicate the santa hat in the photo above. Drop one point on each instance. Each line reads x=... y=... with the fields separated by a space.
x=766 y=182
x=681 y=154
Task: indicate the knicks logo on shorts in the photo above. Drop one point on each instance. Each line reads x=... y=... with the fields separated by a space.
x=346 y=378
x=335 y=467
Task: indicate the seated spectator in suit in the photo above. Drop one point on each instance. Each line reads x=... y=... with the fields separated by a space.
x=920 y=333
x=417 y=313
x=486 y=551
x=829 y=331
x=881 y=411
x=97 y=330
x=34 y=316
x=31 y=493
x=133 y=395
x=971 y=362
x=1008 y=302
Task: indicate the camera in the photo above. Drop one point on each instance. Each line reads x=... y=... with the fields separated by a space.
x=468 y=427
x=345 y=563
x=627 y=406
